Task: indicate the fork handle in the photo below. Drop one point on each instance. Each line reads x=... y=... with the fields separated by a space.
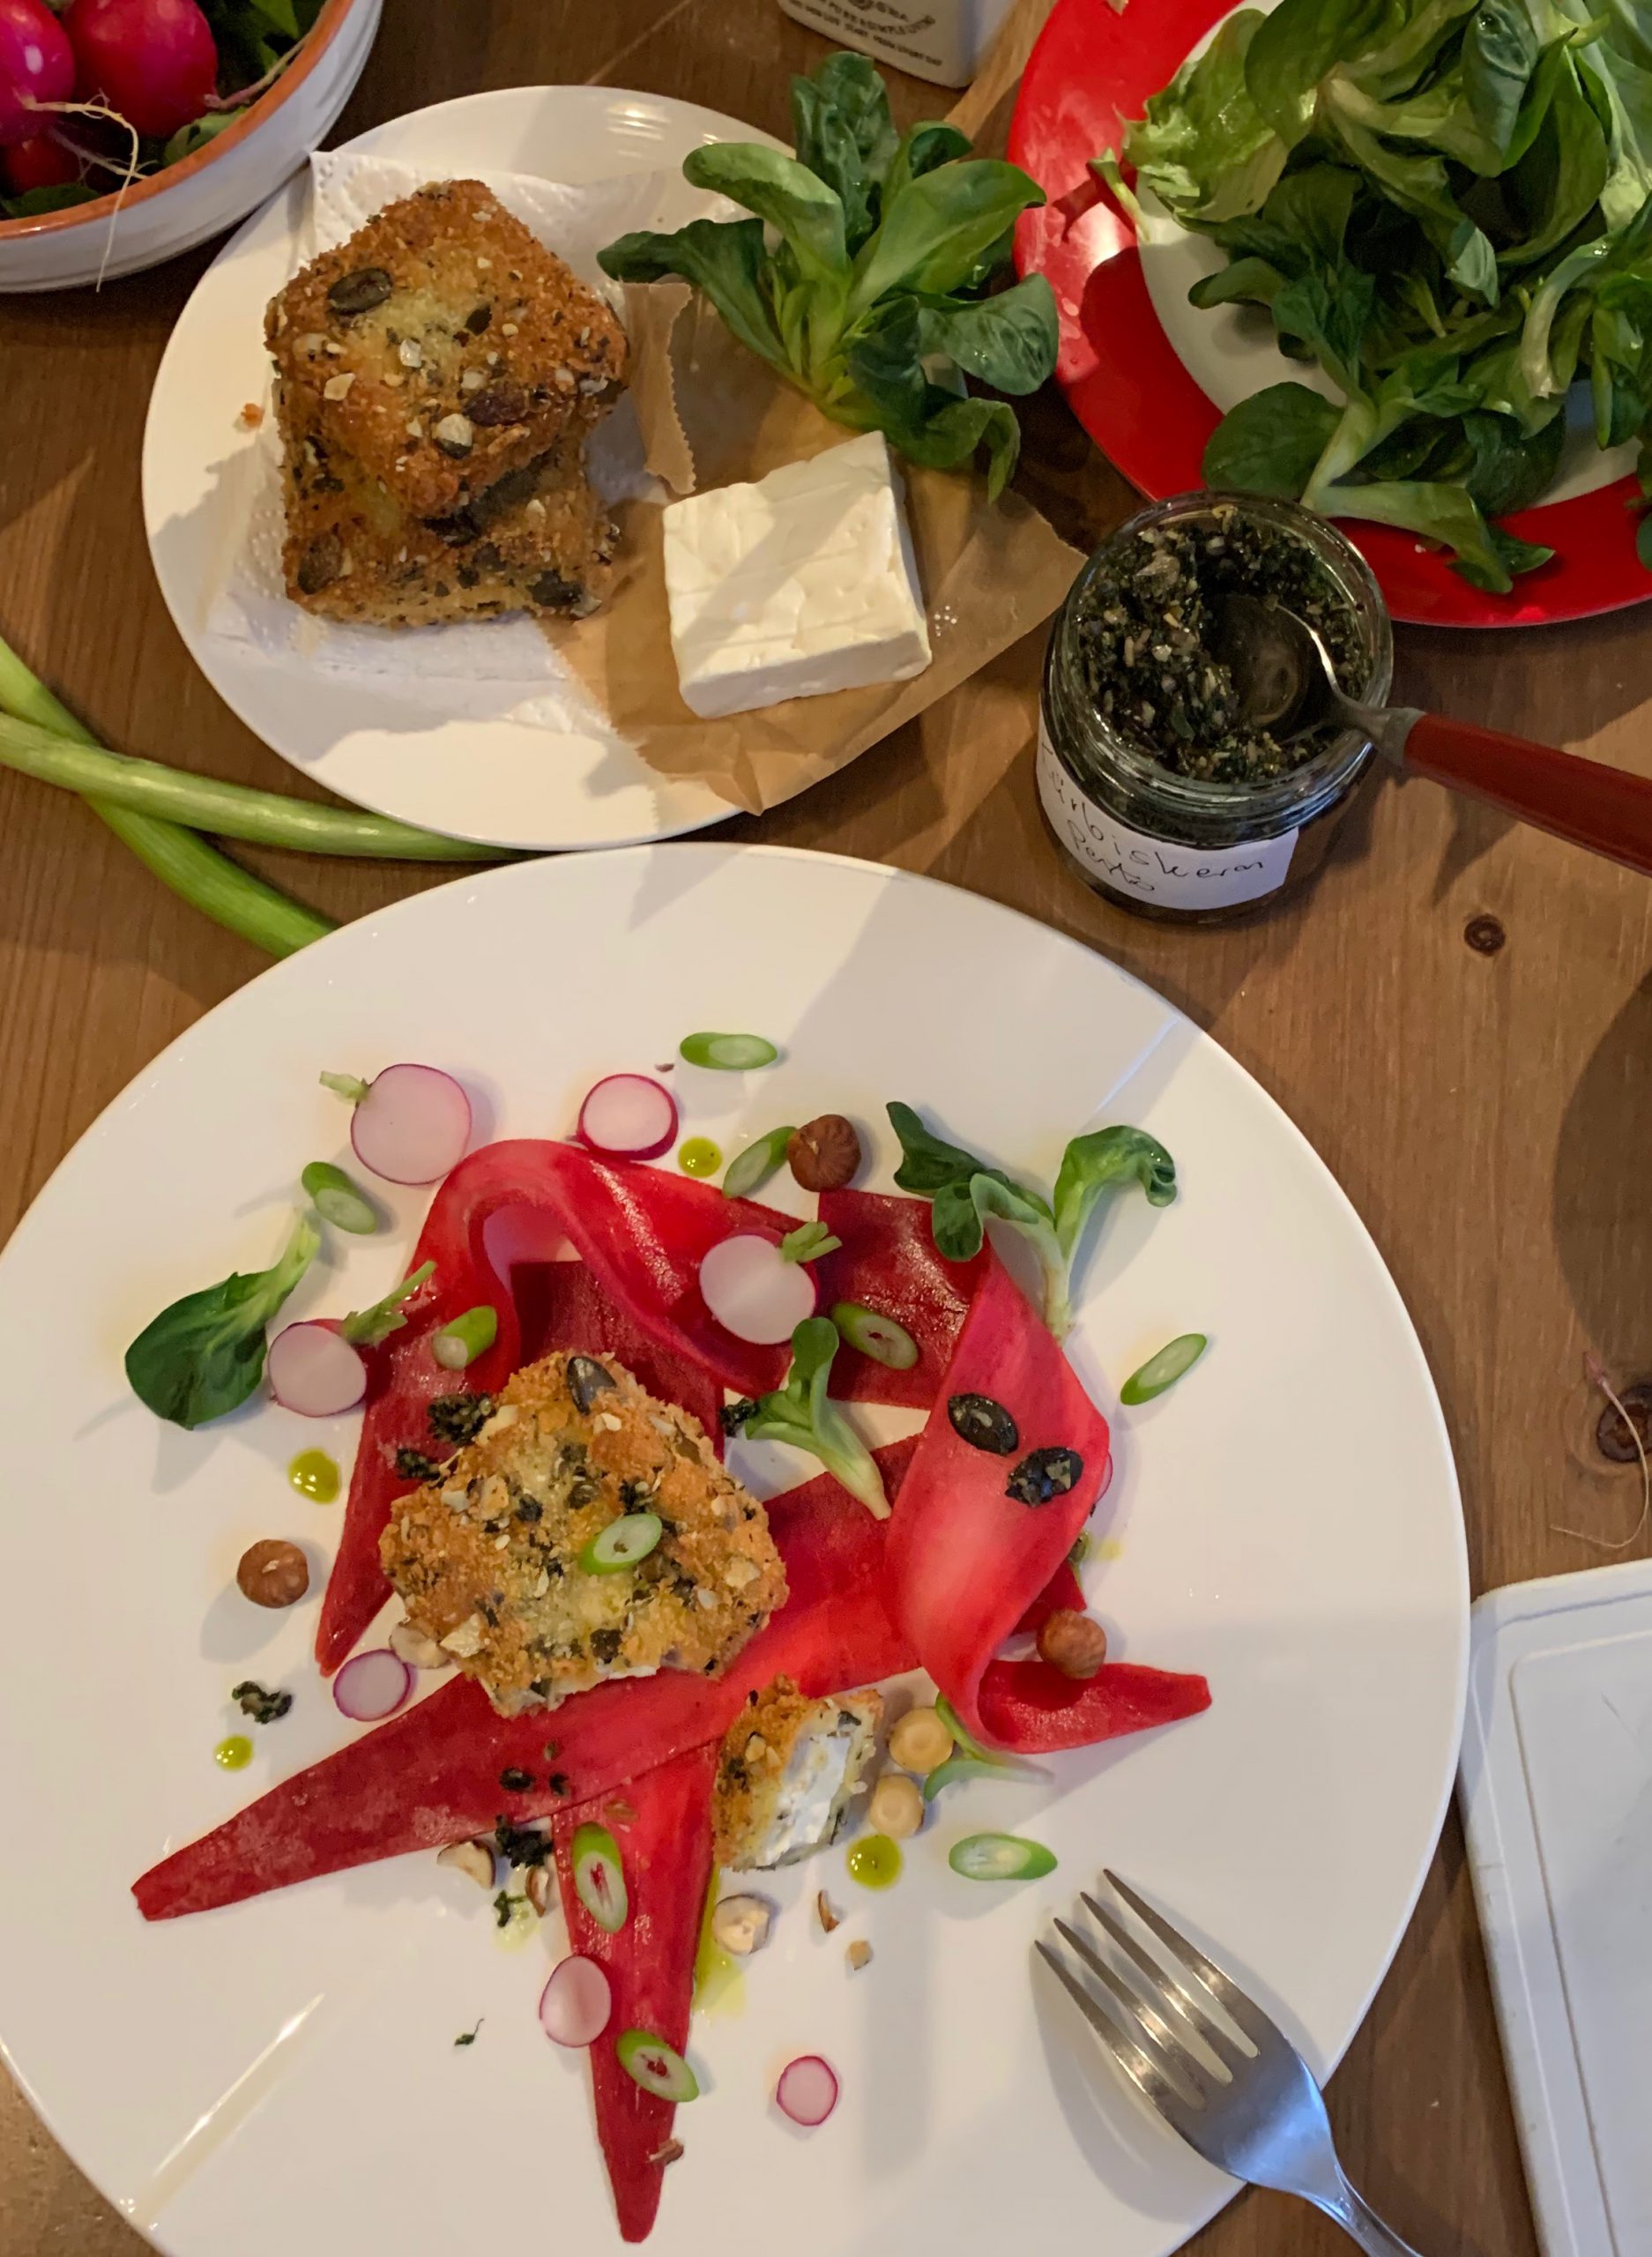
x=1605 y=809
x=1360 y=2223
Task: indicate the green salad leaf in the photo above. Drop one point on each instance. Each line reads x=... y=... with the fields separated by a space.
x=965 y=1194
x=802 y=1413
x=1446 y=206
x=861 y=277
x=204 y=1355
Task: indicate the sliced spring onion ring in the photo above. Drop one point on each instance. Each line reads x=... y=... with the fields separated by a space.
x=1165 y=1369
x=729 y=1053
x=875 y=1335
x=621 y=1544
x=966 y=1740
x=750 y=1170
x=999 y=1857
x=337 y=1200
x=970 y=1760
x=600 y=1879
x=468 y=1337
x=657 y=2067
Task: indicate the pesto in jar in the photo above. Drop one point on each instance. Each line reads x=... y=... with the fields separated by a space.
x=1141 y=640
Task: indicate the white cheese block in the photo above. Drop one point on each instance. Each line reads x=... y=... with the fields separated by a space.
x=833 y=1745
x=800 y=582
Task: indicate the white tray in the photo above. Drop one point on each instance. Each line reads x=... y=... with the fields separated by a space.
x=1556 y=1789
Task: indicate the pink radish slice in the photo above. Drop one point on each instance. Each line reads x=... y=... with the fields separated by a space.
x=412 y=1125
x=628 y=1117
x=754 y=1291
x=372 y=1686
x=313 y=1370
x=577 y=2003
x=808 y=2090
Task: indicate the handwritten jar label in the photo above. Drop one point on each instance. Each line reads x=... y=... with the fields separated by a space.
x=1157 y=869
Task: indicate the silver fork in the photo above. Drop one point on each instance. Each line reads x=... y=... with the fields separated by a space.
x=1249 y=2105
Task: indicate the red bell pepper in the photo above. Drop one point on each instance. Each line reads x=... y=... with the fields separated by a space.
x=560 y=1305
x=432 y=1774
x=888 y=1262
x=965 y=1558
x=666 y=1850
x=642 y=1230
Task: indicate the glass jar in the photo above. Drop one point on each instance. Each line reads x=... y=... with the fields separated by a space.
x=1180 y=847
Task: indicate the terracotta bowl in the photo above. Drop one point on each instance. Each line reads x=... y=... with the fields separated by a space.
x=210 y=191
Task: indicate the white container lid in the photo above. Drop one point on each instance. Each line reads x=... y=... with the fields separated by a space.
x=1556 y=1793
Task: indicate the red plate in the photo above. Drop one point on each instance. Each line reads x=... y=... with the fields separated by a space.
x=1090 y=73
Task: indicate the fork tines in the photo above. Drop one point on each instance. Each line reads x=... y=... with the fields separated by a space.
x=1165 y=2016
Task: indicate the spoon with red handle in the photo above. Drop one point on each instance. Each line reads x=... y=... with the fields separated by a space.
x=1285 y=684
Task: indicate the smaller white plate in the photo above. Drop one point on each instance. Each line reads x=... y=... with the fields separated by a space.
x=1556 y=1789
x=473 y=773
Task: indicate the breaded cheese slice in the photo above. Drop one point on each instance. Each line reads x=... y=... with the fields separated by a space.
x=787 y=1770
x=486 y=1557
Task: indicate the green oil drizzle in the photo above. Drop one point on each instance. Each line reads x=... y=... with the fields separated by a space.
x=875 y=1861
x=234 y=1753
x=699 y=1157
x=314 y=1475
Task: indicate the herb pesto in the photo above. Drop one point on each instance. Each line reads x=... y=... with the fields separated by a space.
x=1142 y=639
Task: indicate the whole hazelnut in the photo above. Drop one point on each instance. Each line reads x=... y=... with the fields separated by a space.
x=824 y=1153
x=273 y=1574
x=1073 y=1643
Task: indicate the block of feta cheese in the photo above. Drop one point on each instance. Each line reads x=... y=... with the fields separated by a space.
x=799 y=583
x=787 y=1770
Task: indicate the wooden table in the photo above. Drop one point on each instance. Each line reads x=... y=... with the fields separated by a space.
x=1488 y=1114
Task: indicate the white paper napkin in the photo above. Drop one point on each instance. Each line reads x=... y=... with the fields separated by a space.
x=251 y=610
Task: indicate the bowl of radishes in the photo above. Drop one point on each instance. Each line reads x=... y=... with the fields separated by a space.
x=131 y=130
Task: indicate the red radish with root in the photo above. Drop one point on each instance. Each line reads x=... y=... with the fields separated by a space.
x=411 y=1123
x=37 y=69
x=753 y=1290
x=153 y=62
x=39 y=162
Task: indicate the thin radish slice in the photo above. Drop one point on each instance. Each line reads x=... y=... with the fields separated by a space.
x=372 y=1687
x=411 y=1125
x=575 y=2005
x=314 y=1370
x=808 y=2090
x=754 y=1291
x=627 y=1117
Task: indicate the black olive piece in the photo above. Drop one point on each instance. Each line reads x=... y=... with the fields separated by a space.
x=458 y=1418
x=586 y=1381
x=552 y=592
x=984 y=1424
x=530 y=1511
x=456 y=530
x=1044 y=1474
x=360 y=292
x=500 y=404
x=321 y=563
x=414 y=1465
x=515 y=1780
x=558 y=1782
x=605 y=1645
x=468 y=575
x=733 y=1416
x=478 y=319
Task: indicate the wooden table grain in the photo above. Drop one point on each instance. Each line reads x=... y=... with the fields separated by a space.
x=1488 y=1114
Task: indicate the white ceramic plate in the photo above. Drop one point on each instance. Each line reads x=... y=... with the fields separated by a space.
x=474 y=774
x=281 y=2075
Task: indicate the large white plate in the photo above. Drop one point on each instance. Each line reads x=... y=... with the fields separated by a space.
x=479 y=775
x=281 y=2075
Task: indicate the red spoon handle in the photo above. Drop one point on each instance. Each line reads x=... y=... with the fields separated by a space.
x=1603 y=809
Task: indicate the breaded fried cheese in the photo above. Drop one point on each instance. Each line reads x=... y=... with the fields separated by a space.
x=786 y=1772
x=494 y=1559
x=443 y=346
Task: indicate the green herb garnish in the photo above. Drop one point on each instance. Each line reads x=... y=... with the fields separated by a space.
x=204 y=1355
x=965 y=1193
x=869 y=300
x=801 y=1413
x=808 y=1243
x=1447 y=207
x=263 y=1707
x=468 y=2036
x=459 y=1419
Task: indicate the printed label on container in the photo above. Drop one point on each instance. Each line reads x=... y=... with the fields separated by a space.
x=1168 y=876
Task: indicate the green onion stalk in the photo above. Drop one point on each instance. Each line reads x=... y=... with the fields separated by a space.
x=158 y=812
